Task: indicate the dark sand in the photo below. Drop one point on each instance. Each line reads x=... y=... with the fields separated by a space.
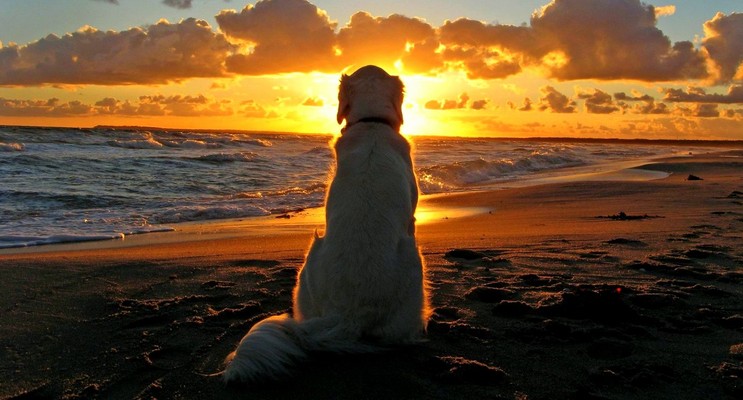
x=545 y=297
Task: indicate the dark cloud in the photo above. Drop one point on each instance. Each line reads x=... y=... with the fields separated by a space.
x=598 y=102
x=461 y=103
x=651 y=107
x=159 y=105
x=159 y=53
x=734 y=113
x=42 y=108
x=554 y=101
x=182 y=4
x=734 y=95
x=706 y=111
x=613 y=39
x=621 y=96
x=479 y=104
x=527 y=105
x=723 y=42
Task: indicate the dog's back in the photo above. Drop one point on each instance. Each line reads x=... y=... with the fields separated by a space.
x=367 y=268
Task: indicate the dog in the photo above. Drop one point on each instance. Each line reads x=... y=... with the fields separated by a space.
x=362 y=286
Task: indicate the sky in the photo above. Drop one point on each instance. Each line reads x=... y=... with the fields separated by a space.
x=580 y=68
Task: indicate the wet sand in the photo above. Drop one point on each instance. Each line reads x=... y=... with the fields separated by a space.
x=567 y=290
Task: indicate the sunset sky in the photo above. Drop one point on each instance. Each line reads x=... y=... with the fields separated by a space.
x=582 y=68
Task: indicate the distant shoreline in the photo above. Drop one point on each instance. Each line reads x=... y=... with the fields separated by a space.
x=551 y=139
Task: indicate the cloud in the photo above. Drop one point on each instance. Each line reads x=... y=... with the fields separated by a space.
x=188 y=106
x=313 y=102
x=734 y=95
x=574 y=39
x=662 y=11
x=385 y=40
x=621 y=96
x=42 y=108
x=160 y=53
x=479 y=104
x=706 y=111
x=527 y=105
x=598 y=102
x=734 y=113
x=251 y=109
x=116 y=2
x=157 y=105
x=610 y=39
x=555 y=101
x=643 y=103
x=182 y=4
x=450 y=104
x=723 y=42
x=487 y=51
x=564 y=40
x=281 y=36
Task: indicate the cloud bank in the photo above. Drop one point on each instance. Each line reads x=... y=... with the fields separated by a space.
x=564 y=40
x=160 y=53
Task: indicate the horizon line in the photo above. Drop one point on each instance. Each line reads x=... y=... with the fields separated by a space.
x=269 y=132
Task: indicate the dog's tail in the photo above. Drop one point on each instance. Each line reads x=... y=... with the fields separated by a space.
x=276 y=344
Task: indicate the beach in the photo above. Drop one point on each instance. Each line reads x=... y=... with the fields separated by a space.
x=569 y=289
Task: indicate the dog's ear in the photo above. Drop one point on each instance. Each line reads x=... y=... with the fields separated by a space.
x=399 y=95
x=343 y=104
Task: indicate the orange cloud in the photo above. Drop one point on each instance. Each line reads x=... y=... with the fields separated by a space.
x=662 y=11
x=188 y=106
x=723 y=43
x=160 y=53
x=281 y=36
x=487 y=51
x=251 y=109
x=566 y=40
x=382 y=40
x=313 y=102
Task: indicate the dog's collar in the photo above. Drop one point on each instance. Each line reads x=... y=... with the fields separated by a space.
x=378 y=120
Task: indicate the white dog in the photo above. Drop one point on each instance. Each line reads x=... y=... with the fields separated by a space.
x=362 y=284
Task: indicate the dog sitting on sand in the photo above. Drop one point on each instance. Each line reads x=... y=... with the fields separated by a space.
x=362 y=285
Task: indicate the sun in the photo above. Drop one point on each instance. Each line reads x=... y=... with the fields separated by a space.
x=417 y=90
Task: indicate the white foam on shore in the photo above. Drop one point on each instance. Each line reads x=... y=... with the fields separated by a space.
x=10 y=242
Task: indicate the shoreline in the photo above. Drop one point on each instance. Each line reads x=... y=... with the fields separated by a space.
x=312 y=218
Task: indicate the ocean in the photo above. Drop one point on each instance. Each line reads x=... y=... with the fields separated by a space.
x=68 y=185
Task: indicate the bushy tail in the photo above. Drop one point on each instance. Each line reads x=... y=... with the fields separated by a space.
x=273 y=346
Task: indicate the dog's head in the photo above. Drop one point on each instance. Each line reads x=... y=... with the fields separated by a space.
x=370 y=92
